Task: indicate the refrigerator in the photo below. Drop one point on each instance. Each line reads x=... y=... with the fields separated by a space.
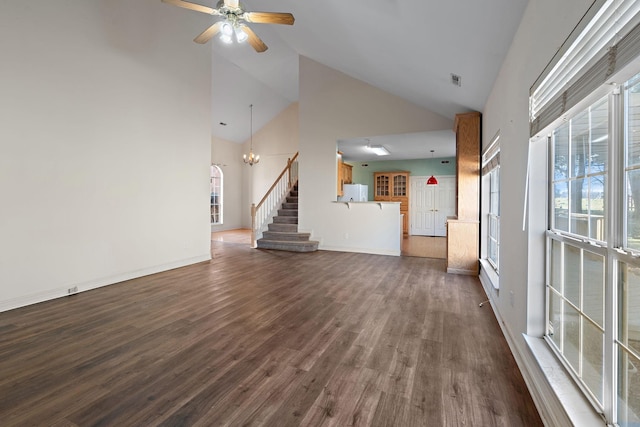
x=354 y=193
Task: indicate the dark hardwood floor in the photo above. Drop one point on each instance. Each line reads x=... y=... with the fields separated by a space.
x=266 y=338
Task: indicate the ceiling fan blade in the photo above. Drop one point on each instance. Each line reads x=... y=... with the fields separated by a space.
x=254 y=40
x=191 y=6
x=269 y=18
x=207 y=34
x=231 y=3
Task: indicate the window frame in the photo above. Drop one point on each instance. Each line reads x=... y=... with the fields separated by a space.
x=571 y=177
x=493 y=219
x=219 y=200
x=614 y=250
x=601 y=52
x=489 y=271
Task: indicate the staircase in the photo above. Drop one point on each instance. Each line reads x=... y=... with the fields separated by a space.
x=283 y=232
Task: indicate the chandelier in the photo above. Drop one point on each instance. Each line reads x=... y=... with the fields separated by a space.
x=251 y=159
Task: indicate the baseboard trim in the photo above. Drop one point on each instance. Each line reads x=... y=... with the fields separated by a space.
x=568 y=404
x=35 y=298
x=549 y=407
x=462 y=271
x=548 y=393
x=51 y=294
x=488 y=275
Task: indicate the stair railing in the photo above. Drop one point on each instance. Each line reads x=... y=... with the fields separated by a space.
x=265 y=209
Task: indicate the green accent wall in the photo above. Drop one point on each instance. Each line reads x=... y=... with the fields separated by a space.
x=417 y=167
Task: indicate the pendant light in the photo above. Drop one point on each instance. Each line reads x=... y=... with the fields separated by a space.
x=251 y=159
x=432 y=179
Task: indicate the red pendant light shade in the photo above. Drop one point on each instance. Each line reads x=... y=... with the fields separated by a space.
x=432 y=179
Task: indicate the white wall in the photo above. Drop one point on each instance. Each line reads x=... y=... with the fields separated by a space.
x=545 y=25
x=276 y=142
x=520 y=301
x=334 y=105
x=228 y=156
x=104 y=144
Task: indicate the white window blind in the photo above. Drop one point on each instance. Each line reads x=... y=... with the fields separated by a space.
x=602 y=47
x=491 y=155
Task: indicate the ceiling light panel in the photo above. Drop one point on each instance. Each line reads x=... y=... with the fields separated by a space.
x=379 y=150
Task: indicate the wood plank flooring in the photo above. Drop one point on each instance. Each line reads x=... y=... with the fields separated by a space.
x=265 y=338
x=424 y=246
x=238 y=235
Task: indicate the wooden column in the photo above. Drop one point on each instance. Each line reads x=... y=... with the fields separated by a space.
x=463 y=230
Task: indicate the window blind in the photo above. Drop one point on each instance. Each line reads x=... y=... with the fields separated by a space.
x=491 y=155
x=604 y=45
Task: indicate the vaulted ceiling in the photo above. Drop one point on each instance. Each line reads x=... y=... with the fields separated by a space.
x=409 y=48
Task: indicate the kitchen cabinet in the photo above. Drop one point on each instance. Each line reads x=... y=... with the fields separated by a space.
x=345 y=174
x=339 y=161
x=393 y=187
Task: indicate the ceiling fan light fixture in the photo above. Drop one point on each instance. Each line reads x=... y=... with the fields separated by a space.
x=226 y=29
x=241 y=36
x=233 y=15
x=226 y=32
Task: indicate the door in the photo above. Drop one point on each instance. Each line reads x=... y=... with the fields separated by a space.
x=422 y=208
x=431 y=205
x=445 y=202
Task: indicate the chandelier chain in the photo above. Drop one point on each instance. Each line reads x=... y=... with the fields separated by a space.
x=251 y=159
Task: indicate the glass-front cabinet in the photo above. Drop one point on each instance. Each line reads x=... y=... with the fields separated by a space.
x=393 y=187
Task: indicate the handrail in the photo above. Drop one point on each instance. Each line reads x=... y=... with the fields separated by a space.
x=286 y=169
x=264 y=210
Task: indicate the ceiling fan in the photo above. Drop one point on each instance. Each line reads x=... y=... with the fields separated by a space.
x=233 y=22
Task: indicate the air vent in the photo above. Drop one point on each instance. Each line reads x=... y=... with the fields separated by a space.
x=456 y=80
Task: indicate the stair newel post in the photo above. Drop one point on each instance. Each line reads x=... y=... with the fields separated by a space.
x=289 y=172
x=253 y=225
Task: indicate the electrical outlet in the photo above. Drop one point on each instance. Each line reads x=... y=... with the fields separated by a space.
x=346 y=236
x=73 y=290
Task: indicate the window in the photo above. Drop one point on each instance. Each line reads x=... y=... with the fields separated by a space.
x=593 y=277
x=577 y=258
x=579 y=169
x=628 y=340
x=586 y=101
x=632 y=163
x=490 y=203
x=493 y=232
x=216 y=194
